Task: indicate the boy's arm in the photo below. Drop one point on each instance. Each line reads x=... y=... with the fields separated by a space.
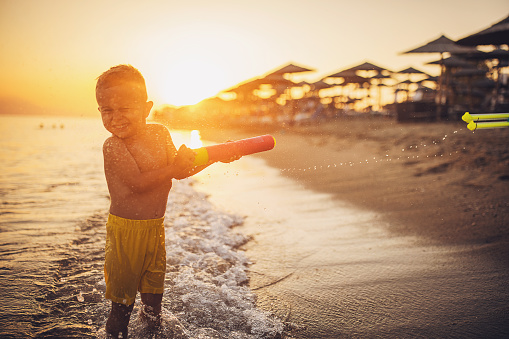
x=189 y=154
x=119 y=165
x=198 y=169
x=175 y=158
x=174 y=155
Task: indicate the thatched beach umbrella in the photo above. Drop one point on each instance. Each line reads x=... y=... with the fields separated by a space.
x=342 y=74
x=320 y=84
x=381 y=76
x=501 y=55
x=349 y=77
x=497 y=34
x=284 y=70
x=452 y=62
x=366 y=66
x=379 y=84
x=411 y=70
x=441 y=45
x=291 y=69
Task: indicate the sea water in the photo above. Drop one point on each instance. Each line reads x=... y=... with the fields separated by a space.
x=54 y=205
x=241 y=241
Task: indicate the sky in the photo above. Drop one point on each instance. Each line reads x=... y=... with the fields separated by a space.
x=52 y=51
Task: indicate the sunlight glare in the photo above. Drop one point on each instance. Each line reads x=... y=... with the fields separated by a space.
x=195 y=140
x=194 y=65
x=188 y=81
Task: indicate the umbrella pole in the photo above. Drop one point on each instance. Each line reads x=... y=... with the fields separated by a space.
x=440 y=88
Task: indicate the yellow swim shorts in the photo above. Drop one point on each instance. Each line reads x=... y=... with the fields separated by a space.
x=135 y=258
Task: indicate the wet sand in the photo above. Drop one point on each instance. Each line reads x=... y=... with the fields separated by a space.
x=409 y=239
x=438 y=181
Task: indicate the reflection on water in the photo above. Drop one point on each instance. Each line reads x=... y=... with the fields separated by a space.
x=195 y=141
x=334 y=271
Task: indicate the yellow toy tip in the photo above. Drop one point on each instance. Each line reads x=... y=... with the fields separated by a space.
x=467 y=117
x=472 y=126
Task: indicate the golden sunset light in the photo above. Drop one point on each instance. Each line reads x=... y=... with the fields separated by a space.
x=52 y=51
x=272 y=169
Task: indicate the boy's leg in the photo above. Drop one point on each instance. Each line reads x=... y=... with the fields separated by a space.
x=151 y=308
x=118 y=320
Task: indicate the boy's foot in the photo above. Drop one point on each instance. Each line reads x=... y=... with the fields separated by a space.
x=116 y=325
x=148 y=317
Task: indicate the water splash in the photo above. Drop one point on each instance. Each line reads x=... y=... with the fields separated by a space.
x=386 y=157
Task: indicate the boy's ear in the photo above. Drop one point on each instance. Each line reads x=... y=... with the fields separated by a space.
x=148 y=108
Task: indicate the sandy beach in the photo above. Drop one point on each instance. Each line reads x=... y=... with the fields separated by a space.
x=430 y=260
x=439 y=181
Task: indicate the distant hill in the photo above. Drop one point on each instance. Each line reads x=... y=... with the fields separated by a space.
x=19 y=106
x=14 y=106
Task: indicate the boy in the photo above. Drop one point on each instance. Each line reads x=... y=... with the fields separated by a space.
x=140 y=162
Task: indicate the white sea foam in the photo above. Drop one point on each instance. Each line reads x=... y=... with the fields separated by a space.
x=207 y=272
x=206 y=292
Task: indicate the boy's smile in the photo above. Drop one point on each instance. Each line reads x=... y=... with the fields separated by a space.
x=123 y=109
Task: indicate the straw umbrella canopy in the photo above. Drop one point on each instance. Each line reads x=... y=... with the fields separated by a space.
x=341 y=74
x=355 y=79
x=430 y=78
x=453 y=62
x=411 y=70
x=245 y=90
x=501 y=55
x=497 y=34
x=366 y=66
x=278 y=82
x=349 y=77
x=275 y=79
x=320 y=84
x=278 y=76
x=441 y=45
x=291 y=69
x=381 y=76
x=405 y=82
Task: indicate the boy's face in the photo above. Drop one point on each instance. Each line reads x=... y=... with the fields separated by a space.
x=123 y=108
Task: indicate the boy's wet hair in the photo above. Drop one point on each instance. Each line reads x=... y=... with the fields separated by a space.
x=121 y=73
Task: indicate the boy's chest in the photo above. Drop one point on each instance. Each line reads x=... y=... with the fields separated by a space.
x=148 y=157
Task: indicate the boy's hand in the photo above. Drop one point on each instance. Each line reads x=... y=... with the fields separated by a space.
x=184 y=161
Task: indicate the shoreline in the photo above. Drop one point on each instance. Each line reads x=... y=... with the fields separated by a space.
x=437 y=181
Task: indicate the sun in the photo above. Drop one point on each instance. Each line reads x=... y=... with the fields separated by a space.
x=196 y=64
x=189 y=80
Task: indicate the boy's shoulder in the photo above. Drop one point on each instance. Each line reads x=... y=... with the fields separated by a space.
x=112 y=144
x=157 y=128
x=158 y=132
